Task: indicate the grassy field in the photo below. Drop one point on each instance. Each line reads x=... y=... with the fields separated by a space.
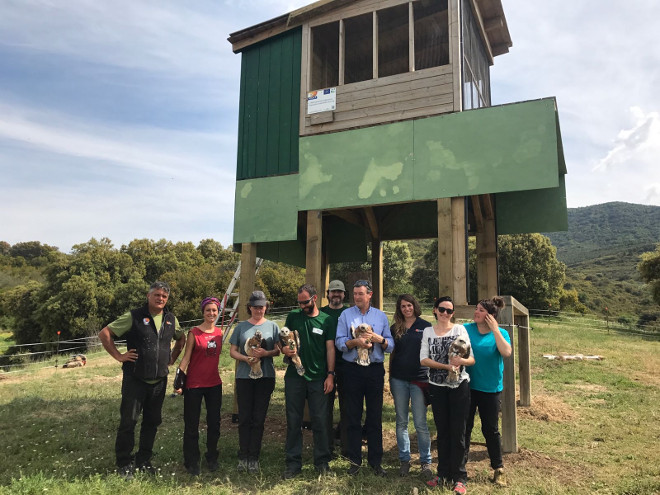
x=593 y=427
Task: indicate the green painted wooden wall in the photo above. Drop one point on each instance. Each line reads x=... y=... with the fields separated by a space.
x=269 y=107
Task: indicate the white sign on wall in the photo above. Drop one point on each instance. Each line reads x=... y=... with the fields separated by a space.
x=323 y=100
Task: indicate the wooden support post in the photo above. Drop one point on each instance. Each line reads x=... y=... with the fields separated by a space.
x=248 y=278
x=524 y=362
x=314 y=252
x=246 y=282
x=451 y=249
x=377 y=273
x=325 y=280
x=486 y=260
x=509 y=416
x=445 y=273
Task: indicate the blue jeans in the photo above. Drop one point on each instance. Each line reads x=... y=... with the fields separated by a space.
x=406 y=393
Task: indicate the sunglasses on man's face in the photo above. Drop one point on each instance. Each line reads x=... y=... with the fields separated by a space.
x=305 y=303
x=444 y=310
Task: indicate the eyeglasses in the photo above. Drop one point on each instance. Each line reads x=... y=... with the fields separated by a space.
x=443 y=310
x=363 y=283
x=305 y=303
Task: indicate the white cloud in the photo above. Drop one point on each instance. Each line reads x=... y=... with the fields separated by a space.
x=634 y=147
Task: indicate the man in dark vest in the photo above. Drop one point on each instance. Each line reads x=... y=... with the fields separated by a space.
x=148 y=331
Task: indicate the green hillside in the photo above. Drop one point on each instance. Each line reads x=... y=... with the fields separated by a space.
x=598 y=230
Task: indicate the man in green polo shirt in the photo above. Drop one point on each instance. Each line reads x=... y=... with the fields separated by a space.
x=149 y=331
x=317 y=353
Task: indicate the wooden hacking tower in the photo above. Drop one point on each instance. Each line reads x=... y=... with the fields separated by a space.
x=363 y=121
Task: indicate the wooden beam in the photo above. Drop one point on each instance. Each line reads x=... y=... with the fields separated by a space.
x=445 y=272
x=487 y=251
x=493 y=23
x=476 y=209
x=325 y=279
x=509 y=418
x=348 y=215
x=372 y=222
x=377 y=273
x=459 y=255
x=524 y=360
x=247 y=278
x=314 y=250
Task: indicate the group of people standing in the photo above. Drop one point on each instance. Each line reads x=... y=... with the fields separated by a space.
x=457 y=369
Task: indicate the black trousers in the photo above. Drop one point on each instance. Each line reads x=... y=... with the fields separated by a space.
x=489 y=412
x=138 y=397
x=450 y=409
x=192 y=408
x=253 y=398
x=337 y=392
x=364 y=385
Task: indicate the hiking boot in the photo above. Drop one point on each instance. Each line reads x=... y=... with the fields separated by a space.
x=323 y=469
x=379 y=471
x=290 y=473
x=404 y=469
x=459 y=488
x=126 y=472
x=193 y=470
x=242 y=465
x=147 y=468
x=427 y=472
x=253 y=466
x=353 y=470
x=499 y=477
x=212 y=465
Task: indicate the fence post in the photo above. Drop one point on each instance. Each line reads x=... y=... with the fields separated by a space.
x=509 y=417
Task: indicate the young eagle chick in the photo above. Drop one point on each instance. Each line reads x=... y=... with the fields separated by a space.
x=251 y=344
x=291 y=339
x=363 y=355
x=458 y=348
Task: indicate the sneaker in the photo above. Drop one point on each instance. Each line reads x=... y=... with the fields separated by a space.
x=427 y=472
x=499 y=478
x=147 y=468
x=459 y=488
x=242 y=465
x=253 y=466
x=193 y=470
x=404 y=469
x=289 y=474
x=379 y=471
x=435 y=481
x=126 y=472
x=353 y=470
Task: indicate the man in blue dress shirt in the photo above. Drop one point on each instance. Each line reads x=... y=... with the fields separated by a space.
x=364 y=384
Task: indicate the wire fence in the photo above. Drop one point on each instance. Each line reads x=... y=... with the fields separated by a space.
x=51 y=354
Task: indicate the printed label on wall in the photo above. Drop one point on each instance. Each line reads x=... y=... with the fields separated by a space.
x=322 y=100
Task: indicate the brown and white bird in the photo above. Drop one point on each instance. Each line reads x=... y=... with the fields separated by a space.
x=251 y=344
x=291 y=339
x=363 y=355
x=458 y=348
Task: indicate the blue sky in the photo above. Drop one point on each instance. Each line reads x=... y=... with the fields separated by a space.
x=118 y=119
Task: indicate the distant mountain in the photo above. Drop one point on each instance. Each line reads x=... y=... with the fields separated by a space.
x=598 y=230
x=601 y=250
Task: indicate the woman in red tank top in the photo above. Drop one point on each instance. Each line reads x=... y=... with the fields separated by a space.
x=200 y=362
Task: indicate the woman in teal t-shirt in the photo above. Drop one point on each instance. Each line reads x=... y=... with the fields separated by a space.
x=490 y=344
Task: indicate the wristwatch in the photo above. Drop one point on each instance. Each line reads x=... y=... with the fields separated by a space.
x=331 y=373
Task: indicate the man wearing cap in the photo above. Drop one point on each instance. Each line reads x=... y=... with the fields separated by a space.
x=148 y=331
x=364 y=384
x=317 y=353
x=336 y=294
